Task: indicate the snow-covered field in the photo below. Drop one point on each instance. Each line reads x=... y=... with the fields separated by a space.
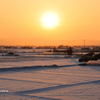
x=48 y=77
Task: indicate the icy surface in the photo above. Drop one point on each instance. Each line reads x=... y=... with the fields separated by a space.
x=48 y=77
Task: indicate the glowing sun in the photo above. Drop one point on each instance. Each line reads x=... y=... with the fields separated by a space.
x=50 y=19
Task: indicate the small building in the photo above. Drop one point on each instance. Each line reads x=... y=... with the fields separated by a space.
x=86 y=49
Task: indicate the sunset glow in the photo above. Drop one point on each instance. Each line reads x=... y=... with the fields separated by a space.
x=53 y=22
x=50 y=20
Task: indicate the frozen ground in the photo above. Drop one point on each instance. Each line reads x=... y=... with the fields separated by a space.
x=42 y=80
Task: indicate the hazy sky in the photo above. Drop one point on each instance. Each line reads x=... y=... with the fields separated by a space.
x=79 y=19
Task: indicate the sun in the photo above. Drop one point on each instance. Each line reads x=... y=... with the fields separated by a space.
x=50 y=20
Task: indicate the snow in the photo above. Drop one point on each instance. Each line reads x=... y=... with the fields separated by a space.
x=49 y=79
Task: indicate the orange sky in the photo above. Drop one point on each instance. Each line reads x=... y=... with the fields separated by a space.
x=79 y=20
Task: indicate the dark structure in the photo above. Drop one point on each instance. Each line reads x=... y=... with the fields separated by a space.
x=89 y=56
